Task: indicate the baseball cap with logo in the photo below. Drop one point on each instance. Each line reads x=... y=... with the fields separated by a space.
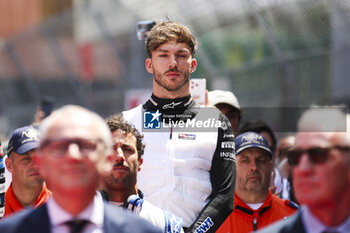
x=23 y=140
x=251 y=140
x=223 y=97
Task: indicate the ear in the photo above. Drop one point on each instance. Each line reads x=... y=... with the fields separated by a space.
x=8 y=163
x=193 y=65
x=148 y=64
x=140 y=163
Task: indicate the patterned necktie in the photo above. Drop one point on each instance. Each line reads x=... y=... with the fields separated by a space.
x=76 y=225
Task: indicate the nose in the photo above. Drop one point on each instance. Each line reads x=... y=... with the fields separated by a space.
x=253 y=165
x=33 y=165
x=304 y=168
x=304 y=162
x=73 y=151
x=119 y=154
x=173 y=62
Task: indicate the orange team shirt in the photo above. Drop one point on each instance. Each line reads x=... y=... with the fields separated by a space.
x=13 y=205
x=243 y=219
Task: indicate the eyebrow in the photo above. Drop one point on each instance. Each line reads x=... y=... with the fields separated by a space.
x=257 y=157
x=121 y=143
x=128 y=144
x=262 y=157
x=244 y=157
x=167 y=51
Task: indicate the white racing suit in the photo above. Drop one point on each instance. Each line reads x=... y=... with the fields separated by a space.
x=188 y=173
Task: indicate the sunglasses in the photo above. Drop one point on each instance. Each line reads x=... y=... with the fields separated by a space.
x=316 y=155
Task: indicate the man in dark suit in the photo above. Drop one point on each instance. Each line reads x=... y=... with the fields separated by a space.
x=73 y=153
x=320 y=161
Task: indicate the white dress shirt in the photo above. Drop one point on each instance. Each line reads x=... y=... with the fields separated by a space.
x=93 y=213
x=314 y=225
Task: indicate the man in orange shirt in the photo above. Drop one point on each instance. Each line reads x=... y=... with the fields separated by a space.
x=254 y=204
x=27 y=187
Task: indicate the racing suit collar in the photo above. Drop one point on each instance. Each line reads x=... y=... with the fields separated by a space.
x=164 y=105
x=172 y=109
x=242 y=206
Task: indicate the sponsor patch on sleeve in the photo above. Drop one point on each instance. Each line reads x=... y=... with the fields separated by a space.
x=229 y=144
x=187 y=136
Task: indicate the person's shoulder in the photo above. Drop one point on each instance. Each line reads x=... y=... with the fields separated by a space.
x=211 y=110
x=289 y=224
x=124 y=222
x=11 y=222
x=133 y=116
x=161 y=218
x=291 y=204
x=132 y=111
x=150 y=208
x=153 y=214
x=285 y=203
x=22 y=220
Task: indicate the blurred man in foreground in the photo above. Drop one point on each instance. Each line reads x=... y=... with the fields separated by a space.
x=320 y=163
x=73 y=152
x=27 y=188
x=254 y=206
x=120 y=187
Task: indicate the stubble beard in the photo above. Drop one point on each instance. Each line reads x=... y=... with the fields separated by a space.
x=123 y=182
x=259 y=187
x=160 y=79
x=35 y=182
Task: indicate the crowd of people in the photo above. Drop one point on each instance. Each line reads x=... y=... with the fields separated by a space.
x=156 y=168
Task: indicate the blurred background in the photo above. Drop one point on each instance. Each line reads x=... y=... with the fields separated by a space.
x=272 y=54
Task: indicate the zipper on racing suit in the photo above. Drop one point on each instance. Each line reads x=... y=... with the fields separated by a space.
x=255 y=225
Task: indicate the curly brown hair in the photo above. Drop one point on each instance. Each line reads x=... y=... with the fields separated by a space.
x=117 y=122
x=165 y=31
